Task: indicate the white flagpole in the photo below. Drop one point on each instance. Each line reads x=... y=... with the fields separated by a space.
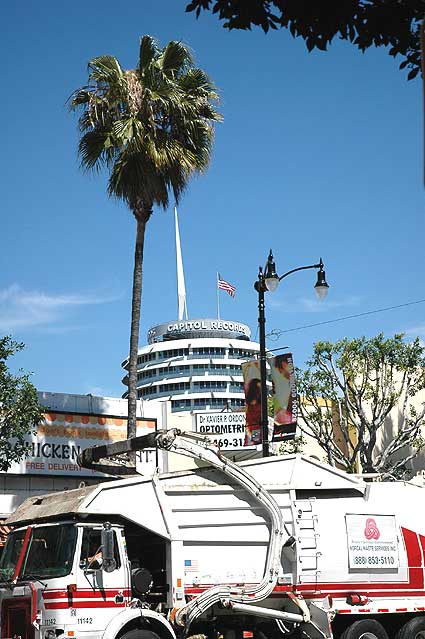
x=218 y=299
x=181 y=289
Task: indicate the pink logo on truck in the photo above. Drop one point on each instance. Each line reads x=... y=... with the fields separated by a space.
x=371 y=531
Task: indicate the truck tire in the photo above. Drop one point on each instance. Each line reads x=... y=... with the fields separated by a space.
x=140 y=634
x=365 y=629
x=413 y=629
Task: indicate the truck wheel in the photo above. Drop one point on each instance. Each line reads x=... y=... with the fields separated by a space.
x=140 y=634
x=413 y=629
x=366 y=629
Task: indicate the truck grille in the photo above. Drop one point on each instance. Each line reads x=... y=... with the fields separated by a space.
x=16 y=619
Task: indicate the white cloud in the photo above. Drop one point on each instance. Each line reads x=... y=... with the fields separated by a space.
x=21 y=309
x=312 y=304
x=416 y=331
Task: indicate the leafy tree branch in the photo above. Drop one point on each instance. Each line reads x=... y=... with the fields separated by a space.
x=351 y=390
x=394 y=24
x=20 y=410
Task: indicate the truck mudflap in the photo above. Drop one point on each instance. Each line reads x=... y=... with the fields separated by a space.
x=321 y=617
x=154 y=620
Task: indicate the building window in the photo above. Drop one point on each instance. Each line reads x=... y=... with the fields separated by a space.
x=240 y=352
x=180 y=404
x=236 y=387
x=173 y=352
x=149 y=357
x=217 y=402
x=211 y=385
x=206 y=350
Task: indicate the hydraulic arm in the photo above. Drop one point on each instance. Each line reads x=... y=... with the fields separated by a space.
x=198 y=447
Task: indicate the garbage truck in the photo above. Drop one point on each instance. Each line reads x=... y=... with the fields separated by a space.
x=282 y=546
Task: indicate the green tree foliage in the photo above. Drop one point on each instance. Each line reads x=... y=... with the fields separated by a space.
x=20 y=410
x=152 y=128
x=348 y=392
x=390 y=23
x=292 y=446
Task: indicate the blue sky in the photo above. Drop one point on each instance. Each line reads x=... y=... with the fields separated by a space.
x=319 y=154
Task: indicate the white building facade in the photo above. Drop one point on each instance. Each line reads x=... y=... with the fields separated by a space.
x=195 y=364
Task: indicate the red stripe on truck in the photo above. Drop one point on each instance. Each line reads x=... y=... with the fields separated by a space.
x=87 y=594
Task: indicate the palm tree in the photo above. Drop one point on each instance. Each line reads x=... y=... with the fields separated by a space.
x=152 y=129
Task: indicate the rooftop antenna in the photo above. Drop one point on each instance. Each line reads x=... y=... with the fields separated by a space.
x=181 y=288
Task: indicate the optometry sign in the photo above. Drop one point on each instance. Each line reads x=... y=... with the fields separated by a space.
x=226 y=430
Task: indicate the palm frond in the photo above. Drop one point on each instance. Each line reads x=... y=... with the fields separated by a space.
x=148 y=52
x=197 y=139
x=96 y=149
x=79 y=97
x=105 y=69
x=123 y=131
x=195 y=82
x=133 y=179
x=176 y=57
x=177 y=180
x=165 y=151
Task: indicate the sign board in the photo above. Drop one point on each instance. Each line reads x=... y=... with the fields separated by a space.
x=372 y=542
x=252 y=388
x=285 y=407
x=61 y=436
x=198 y=328
x=226 y=430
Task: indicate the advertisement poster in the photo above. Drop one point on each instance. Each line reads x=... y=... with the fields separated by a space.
x=252 y=388
x=60 y=438
x=225 y=430
x=285 y=409
x=372 y=542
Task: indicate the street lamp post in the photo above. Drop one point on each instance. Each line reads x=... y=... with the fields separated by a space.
x=268 y=280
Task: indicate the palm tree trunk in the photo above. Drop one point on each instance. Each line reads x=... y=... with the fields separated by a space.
x=142 y=216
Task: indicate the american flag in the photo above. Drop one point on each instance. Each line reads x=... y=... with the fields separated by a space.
x=225 y=286
x=190 y=565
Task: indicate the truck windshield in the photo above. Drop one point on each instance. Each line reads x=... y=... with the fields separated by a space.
x=10 y=554
x=50 y=552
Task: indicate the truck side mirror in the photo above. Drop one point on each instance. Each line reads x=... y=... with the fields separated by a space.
x=109 y=563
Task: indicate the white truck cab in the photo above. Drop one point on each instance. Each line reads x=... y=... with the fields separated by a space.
x=73 y=578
